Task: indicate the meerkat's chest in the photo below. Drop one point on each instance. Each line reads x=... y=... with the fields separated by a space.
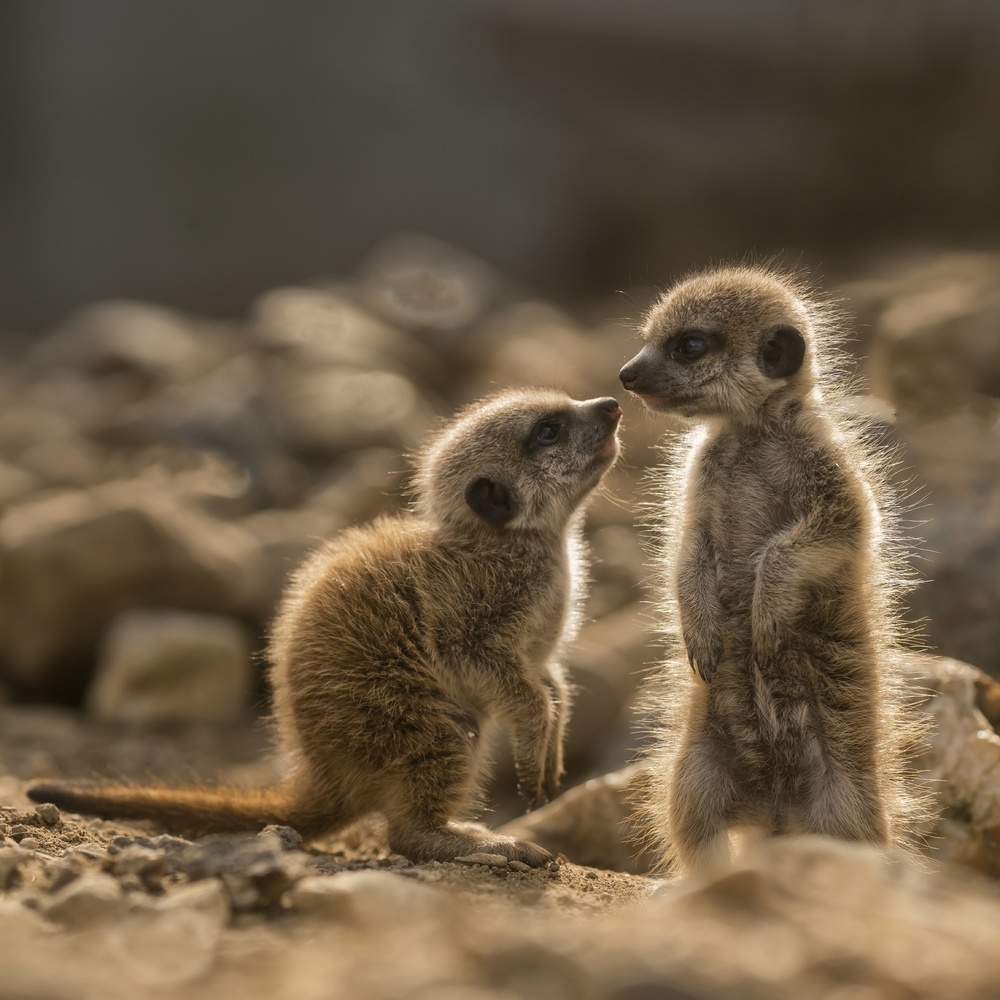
x=743 y=492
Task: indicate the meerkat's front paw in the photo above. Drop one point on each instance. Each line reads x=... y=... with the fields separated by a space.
x=703 y=657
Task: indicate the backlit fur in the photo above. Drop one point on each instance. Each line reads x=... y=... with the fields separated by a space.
x=401 y=645
x=780 y=708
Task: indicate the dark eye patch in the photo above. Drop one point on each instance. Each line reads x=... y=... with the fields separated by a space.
x=690 y=345
x=550 y=430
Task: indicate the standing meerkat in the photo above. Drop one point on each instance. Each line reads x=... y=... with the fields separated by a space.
x=781 y=584
x=401 y=645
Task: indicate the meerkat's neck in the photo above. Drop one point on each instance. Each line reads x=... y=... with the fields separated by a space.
x=779 y=410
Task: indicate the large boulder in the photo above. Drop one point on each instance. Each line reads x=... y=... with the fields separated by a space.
x=70 y=564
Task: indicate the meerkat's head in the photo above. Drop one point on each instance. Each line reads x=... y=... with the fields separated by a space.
x=730 y=342
x=521 y=459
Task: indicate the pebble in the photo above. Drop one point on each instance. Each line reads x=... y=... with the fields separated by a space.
x=290 y=840
x=143 y=866
x=490 y=860
x=591 y=875
x=91 y=898
x=89 y=851
x=48 y=813
x=30 y=843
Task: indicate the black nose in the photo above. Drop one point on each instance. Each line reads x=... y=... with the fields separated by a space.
x=629 y=375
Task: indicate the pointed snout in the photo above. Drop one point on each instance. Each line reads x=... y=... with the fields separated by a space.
x=630 y=373
x=605 y=408
x=610 y=406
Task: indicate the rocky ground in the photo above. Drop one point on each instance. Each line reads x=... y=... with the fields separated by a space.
x=160 y=474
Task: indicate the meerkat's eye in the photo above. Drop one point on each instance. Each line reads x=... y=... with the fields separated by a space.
x=690 y=347
x=548 y=432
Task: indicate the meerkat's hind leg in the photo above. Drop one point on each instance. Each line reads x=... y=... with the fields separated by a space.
x=701 y=810
x=840 y=806
x=439 y=783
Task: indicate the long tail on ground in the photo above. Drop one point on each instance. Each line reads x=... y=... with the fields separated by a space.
x=191 y=810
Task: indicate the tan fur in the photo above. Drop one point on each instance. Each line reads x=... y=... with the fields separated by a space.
x=781 y=581
x=401 y=645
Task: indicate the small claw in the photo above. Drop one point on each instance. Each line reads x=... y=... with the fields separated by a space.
x=706 y=671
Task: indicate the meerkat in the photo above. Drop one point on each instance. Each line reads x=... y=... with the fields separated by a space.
x=781 y=578
x=401 y=646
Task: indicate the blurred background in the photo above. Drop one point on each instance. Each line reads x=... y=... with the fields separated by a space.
x=251 y=251
x=196 y=153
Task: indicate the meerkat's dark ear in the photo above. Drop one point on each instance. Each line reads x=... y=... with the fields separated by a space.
x=781 y=352
x=492 y=501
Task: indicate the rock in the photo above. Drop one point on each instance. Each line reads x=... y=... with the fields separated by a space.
x=174 y=941
x=327 y=411
x=962 y=760
x=425 y=285
x=88 y=852
x=10 y=862
x=528 y=342
x=317 y=327
x=290 y=840
x=590 y=824
x=148 y=340
x=172 y=666
x=70 y=564
x=149 y=865
x=207 y=897
x=493 y=860
x=365 y=897
x=222 y=413
x=932 y=348
x=89 y=899
x=954 y=462
x=48 y=813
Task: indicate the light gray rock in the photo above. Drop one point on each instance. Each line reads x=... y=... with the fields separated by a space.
x=149 y=340
x=590 y=824
x=89 y=899
x=70 y=564
x=320 y=326
x=365 y=897
x=172 y=666
x=173 y=941
x=329 y=410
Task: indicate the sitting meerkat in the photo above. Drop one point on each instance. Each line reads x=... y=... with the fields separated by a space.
x=401 y=645
x=781 y=583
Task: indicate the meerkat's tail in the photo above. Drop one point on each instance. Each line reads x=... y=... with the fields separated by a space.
x=194 y=810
